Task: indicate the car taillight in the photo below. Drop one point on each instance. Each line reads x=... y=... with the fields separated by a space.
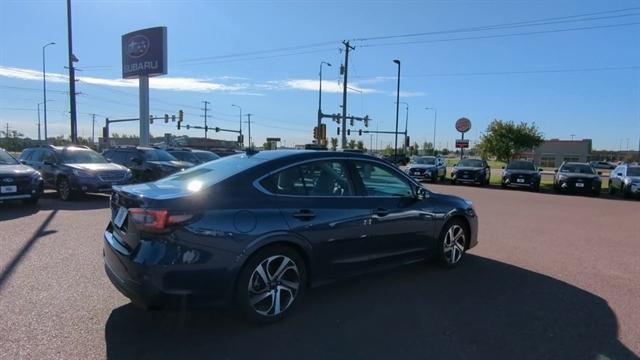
x=156 y=220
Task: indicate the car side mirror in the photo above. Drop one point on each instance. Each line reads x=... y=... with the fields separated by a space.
x=421 y=193
x=503 y=167
x=619 y=174
x=555 y=171
x=540 y=169
x=23 y=162
x=599 y=172
x=135 y=160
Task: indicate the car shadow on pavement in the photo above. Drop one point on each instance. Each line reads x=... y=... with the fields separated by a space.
x=483 y=309
x=51 y=201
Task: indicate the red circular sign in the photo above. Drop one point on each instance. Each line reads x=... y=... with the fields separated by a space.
x=463 y=125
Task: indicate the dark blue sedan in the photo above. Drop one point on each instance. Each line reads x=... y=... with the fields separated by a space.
x=256 y=229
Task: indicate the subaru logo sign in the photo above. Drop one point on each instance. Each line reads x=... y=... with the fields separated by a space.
x=138 y=46
x=144 y=53
x=7 y=180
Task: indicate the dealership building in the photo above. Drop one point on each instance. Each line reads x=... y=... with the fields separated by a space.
x=553 y=152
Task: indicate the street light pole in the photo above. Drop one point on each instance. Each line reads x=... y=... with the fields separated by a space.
x=39 y=138
x=435 y=121
x=320 y=94
x=240 y=108
x=395 y=151
x=249 y=122
x=406 y=127
x=44 y=92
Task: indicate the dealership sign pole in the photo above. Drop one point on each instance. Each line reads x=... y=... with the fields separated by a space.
x=144 y=54
x=462 y=125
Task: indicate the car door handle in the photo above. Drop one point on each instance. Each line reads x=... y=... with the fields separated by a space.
x=381 y=212
x=304 y=214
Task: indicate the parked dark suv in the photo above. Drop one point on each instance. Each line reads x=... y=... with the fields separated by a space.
x=17 y=181
x=75 y=169
x=194 y=156
x=521 y=173
x=146 y=163
x=471 y=171
x=578 y=178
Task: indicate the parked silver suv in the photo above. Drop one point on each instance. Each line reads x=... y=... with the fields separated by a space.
x=625 y=178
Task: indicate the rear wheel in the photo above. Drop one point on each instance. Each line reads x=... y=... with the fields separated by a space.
x=453 y=243
x=612 y=190
x=64 y=189
x=626 y=191
x=271 y=284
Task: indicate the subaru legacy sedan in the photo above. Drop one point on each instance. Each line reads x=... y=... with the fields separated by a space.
x=257 y=229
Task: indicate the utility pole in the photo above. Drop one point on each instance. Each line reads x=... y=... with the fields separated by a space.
x=93 y=129
x=395 y=152
x=240 y=129
x=39 y=138
x=72 y=79
x=249 y=123
x=206 y=128
x=347 y=48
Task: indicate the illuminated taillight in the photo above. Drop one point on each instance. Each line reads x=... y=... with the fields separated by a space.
x=156 y=220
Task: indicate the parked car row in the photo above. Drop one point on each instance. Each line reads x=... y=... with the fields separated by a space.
x=570 y=177
x=77 y=169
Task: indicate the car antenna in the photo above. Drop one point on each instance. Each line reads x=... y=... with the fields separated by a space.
x=251 y=151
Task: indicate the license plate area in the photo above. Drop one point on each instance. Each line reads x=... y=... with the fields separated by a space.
x=9 y=189
x=520 y=180
x=121 y=216
x=580 y=185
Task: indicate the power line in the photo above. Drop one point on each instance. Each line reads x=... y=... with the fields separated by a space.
x=501 y=35
x=259 y=57
x=536 y=22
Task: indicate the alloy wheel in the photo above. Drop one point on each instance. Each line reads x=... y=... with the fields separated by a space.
x=273 y=285
x=63 y=189
x=454 y=244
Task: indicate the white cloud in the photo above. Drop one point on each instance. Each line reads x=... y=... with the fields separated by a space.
x=159 y=83
x=312 y=85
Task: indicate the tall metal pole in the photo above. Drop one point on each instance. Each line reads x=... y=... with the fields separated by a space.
x=240 y=108
x=206 y=128
x=72 y=80
x=395 y=151
x=347 y=47
x=249 y=123
x=143 y=87
x=435 y=121
x=39 y=138
x=44 y=91
x=93 y=129
x=320 y=94
x=406 y=127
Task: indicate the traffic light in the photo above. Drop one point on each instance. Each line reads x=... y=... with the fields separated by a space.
x=323 y=131
x=151 y=119
x=173 y=118
x=348 y=131
x=360 y=132
x=166 y=118
x=180 y=115
x=188 y=126
x=240 y=139
x=338 y=131
x=351 y=121
x=366 y=121
x=217 y=129
x=407 y=141
x=315 y=132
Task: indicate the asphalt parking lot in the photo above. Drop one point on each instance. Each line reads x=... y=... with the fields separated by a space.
x=554 y=277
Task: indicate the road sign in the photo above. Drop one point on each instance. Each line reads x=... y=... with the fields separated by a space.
x=463 y=125
x=462 y=143
x=144 y=53
x=269 y=139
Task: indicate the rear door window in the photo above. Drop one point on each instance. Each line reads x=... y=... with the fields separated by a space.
x=318 y=178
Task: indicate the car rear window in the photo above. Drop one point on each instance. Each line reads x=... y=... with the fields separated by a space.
x=633 y=171
x=520 y=165
x=211 y=173
x=471 y=163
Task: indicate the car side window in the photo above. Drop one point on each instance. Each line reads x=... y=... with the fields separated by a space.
x=49 y=156
x=379 y=181
x=320 y=178
x=37 y=155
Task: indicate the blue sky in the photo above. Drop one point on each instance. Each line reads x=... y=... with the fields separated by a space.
x=583 y=82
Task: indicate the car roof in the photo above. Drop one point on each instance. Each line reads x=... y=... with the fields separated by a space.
x=576 y=163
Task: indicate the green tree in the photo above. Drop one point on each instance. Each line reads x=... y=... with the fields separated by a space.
x=427 y=148
x=334 y=143
x=445 y=152
x=352 y=144
x=504 y=139
x=388 y=150
x=360 y=145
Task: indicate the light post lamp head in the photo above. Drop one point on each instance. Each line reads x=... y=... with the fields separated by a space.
x=397 y=61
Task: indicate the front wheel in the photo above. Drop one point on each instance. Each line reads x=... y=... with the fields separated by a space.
x=453 y=243
x=64 y=189
x=612 y=190
x=270 y=284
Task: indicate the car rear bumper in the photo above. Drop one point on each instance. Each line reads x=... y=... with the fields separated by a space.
x=154 y=280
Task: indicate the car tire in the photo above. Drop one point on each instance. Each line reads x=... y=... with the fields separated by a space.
x=263 y=287
x=452 y=243
x=453 y=181
x=626 y=192
x=64 y=189
x=612 y=190
x=536 y=187
x=434 y=178
x=595 y=193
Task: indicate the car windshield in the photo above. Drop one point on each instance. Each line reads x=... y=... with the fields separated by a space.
x=82 y=156
x=633 y=171
x=471 y=163
x=577 y=168
x=206 y=156
x=6 y=159
x=208 y=174
x=521 y=165
x=424 y=161
x=158 y=155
